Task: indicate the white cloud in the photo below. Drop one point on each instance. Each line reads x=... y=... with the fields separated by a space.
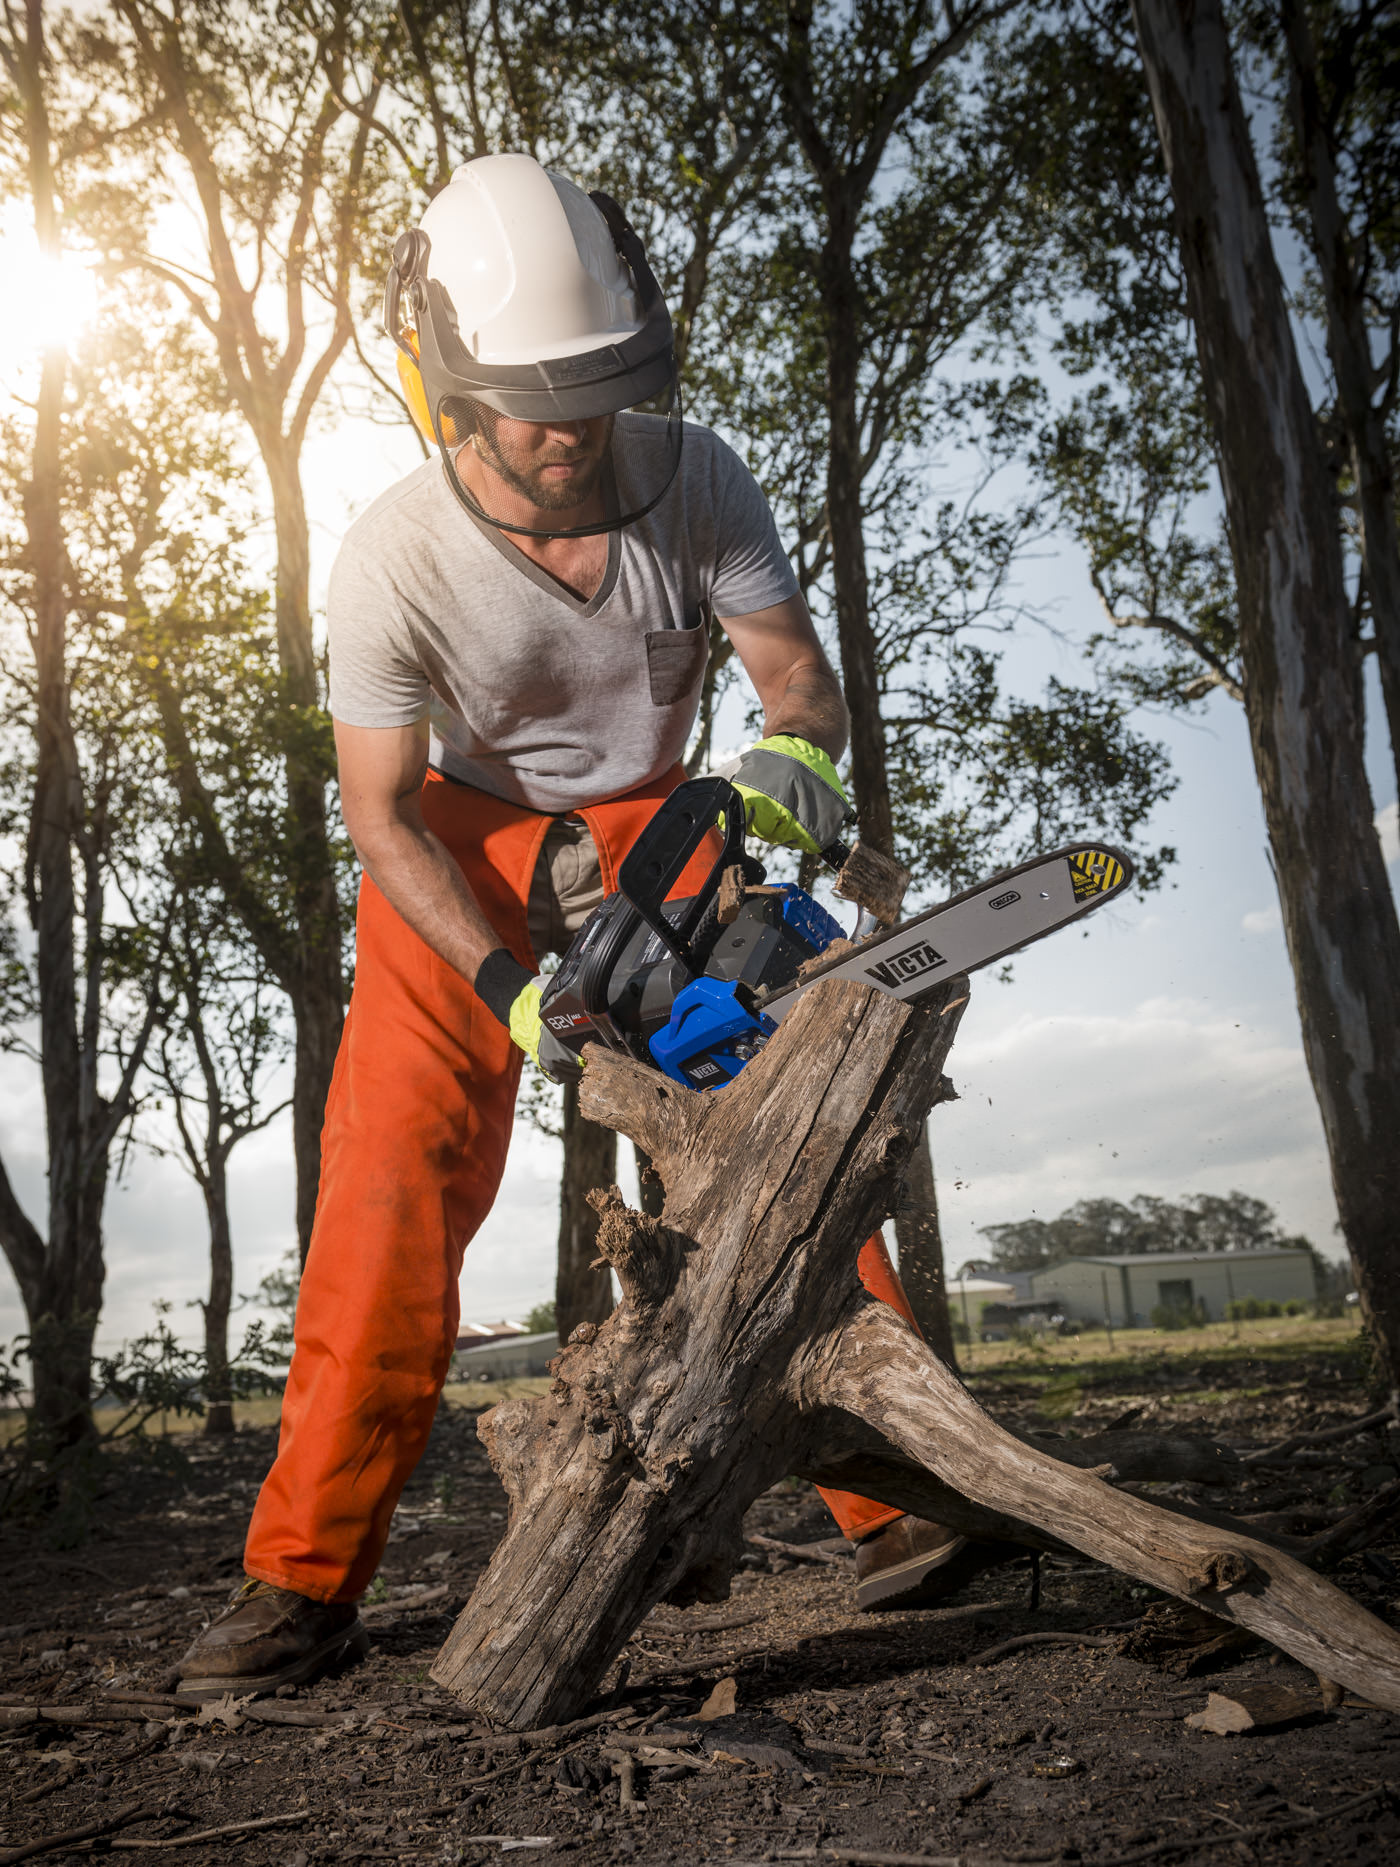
x=1170 y=1098
x=1388 y=829
x=1263 y=920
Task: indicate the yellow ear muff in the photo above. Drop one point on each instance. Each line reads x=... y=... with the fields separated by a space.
x=411 y=382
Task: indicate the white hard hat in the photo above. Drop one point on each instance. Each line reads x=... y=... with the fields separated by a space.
x=521 y=293
x=528 y=264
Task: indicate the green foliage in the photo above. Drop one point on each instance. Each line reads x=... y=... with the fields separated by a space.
x=1059 y=1398
x=1250 y=1309
x=541 y=1319
x=53 y=1482
x=278 y=1292
x=1128 y=461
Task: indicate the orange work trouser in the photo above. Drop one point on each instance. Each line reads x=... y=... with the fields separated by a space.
x=417 y=1124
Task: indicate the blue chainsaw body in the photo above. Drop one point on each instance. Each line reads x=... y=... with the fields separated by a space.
x=711 y=1034
x=676 y=982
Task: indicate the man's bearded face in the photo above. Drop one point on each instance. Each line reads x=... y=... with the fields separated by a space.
x=555 y=465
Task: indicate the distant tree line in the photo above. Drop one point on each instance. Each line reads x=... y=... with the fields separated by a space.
x=1095 y=1228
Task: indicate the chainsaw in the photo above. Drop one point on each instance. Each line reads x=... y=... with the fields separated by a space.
x=697 y=986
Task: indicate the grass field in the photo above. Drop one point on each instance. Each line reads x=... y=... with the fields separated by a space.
x=1048 y=1362
x=1267 y=1337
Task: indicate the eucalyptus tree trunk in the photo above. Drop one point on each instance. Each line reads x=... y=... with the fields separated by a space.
x=1302 y=689
x=218 y=1399
x=1349 y=346
x=581 y=1293
x=860 y=672
x=920 y=1239
x=276 y=384
x=844 y=152
x=311 y=973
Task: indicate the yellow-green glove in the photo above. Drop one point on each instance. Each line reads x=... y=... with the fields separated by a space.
x=792 y=794
x=506 y=988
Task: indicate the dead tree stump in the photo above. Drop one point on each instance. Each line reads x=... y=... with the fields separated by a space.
x=744 y=1349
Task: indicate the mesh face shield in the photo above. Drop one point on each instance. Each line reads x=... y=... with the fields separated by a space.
x=622 y=400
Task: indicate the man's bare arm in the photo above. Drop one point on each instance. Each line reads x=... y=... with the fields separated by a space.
x=381 y=777
x=795 y=683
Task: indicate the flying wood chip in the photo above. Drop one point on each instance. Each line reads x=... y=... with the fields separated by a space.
x=875 y=882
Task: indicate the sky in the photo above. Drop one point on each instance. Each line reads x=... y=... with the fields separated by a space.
x=1154 y=1050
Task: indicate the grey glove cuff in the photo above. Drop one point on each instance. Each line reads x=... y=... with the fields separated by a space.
x=820 y=810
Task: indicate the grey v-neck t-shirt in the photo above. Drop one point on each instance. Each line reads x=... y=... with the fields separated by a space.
x=530 y=693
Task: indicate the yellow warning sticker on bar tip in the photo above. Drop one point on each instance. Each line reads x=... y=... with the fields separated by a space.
x=1094 y=872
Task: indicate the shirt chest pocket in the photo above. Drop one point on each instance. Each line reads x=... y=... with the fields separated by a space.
x=676 y=660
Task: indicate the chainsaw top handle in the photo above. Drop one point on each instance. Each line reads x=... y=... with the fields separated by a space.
x=658 y=859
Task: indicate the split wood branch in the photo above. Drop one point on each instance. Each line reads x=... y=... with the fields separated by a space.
x=990 y=1655
x=70 y=1837
x=879 y=1371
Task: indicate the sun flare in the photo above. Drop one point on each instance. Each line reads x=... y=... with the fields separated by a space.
x=44 y=302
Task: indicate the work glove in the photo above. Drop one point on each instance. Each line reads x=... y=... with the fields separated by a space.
x=508 y=991
x=792 y=794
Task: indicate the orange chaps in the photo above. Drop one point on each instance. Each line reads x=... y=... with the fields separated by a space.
x=417 y=1125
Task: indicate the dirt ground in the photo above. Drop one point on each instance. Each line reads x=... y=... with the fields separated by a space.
x=861 y=1738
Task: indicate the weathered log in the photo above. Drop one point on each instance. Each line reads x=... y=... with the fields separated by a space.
x=745 y=1348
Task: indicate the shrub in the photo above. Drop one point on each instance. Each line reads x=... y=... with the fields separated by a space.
x=1250 y=1309
x=1179 y=1315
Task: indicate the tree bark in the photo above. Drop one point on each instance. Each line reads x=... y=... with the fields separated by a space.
x=745 y=1348
x=920 y=1240
x=1302 y=690
x=845 y=475
x=1349 y=346
x=652 y=1192
x=880 y=1372
x=218 y=1399
x=316 y=985
x=582 y=1293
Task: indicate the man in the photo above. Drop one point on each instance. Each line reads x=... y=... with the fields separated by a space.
x=518 y=637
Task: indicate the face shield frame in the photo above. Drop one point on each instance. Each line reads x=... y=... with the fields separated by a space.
x=606 y=381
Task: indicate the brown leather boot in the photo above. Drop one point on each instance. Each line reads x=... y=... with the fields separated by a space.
x=267 y=1637
x=915 y=1564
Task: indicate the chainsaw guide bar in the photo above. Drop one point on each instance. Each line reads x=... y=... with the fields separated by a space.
x=973 y=929
x=695 y=985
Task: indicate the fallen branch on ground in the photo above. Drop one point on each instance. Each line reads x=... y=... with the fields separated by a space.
x=990 y=1655
x=798 y=1552
x=293 y=1820
x=1262 y=1831
x=1324 y=1436
x=70 y=1837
